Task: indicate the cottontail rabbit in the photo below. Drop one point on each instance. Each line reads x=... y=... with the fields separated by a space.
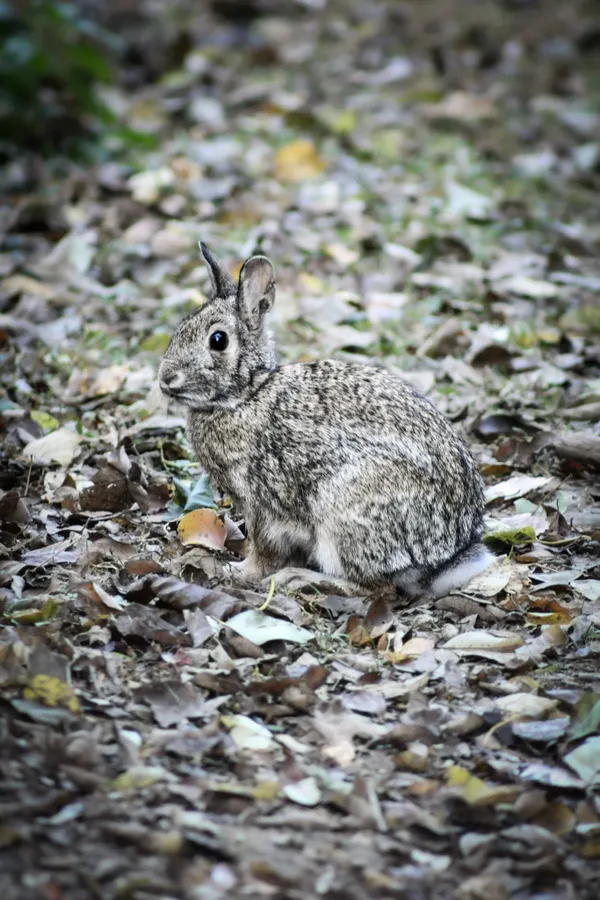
x=343 y=464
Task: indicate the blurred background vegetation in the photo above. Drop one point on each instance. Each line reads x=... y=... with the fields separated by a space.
x=55 y=56
x=52 y=58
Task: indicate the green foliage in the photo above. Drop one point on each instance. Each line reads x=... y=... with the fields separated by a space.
x=197 y=496
x=51 y=60
x=509 y=538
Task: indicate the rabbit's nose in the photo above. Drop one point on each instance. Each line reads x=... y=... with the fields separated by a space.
x=170 y=379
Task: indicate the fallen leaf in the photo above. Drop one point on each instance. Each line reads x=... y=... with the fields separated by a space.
x=172 y=702
x=502 y=642
x=138 y=777
x=495 y=424
x=53 y=716
x=412 y=648
x=378 y=618
x=120 y=482
x=526 y=705
x=140 y=621
x=524 y=286
x=259 y=628
x=517 y=486
x=198 y=625
x=476 y=792
x=510 y=537
x=61 y=552
x=383 y=307
x=553 y=776
x=200 y=496
x=546 y=611
x=460 y=106
x=586 y=717
x=202 y=528
x=248 y=734
x=51 y=691
x=97 y=594
x=370 y=702
x=358 y=634
x=464 y=202
x=172 y=241
x=443 y=340
x=584 y=412
x=297 y=161
x=590 y=849
x=536 y=520
x=552 y=637
x=13 y=508
x=34 y=616
x=557 y=818
x=178 y=594
x=541 y=732
x=415 y=758
x=585 y=760
x=553 y=579
x=109 y=380
x=339 y=727
x=44 y=420
x=146 y=187
x=59 y=446
x=588 y=588
x=305 y=792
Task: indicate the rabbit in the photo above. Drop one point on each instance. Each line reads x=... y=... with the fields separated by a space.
x=343 y=465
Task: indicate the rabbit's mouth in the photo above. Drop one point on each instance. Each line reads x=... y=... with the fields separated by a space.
x=185 y=398
x=175 y=393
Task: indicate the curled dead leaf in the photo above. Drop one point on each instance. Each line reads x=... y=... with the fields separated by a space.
x=499 y=642
x=413 y=647
x=202 y=528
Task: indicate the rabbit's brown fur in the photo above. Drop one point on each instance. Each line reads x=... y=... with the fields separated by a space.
x=343 y=465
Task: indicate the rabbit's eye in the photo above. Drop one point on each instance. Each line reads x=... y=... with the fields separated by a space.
x=218 y=340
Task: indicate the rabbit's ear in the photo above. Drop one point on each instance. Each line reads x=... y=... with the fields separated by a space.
x=256 y=290
x=222 y=283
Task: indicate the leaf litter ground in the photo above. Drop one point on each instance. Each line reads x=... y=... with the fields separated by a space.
x=426 y=180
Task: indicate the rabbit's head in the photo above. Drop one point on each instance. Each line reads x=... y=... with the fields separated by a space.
x=218 y=354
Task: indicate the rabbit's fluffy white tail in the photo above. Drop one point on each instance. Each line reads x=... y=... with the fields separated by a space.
x=463 y=568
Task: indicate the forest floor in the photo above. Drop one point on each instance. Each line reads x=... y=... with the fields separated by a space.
x=425 y=178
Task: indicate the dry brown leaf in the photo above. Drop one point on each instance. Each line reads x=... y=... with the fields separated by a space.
x=202 y=528
x=172 y=702
x=339 y=727
x=412 y=648
x=140 y=621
